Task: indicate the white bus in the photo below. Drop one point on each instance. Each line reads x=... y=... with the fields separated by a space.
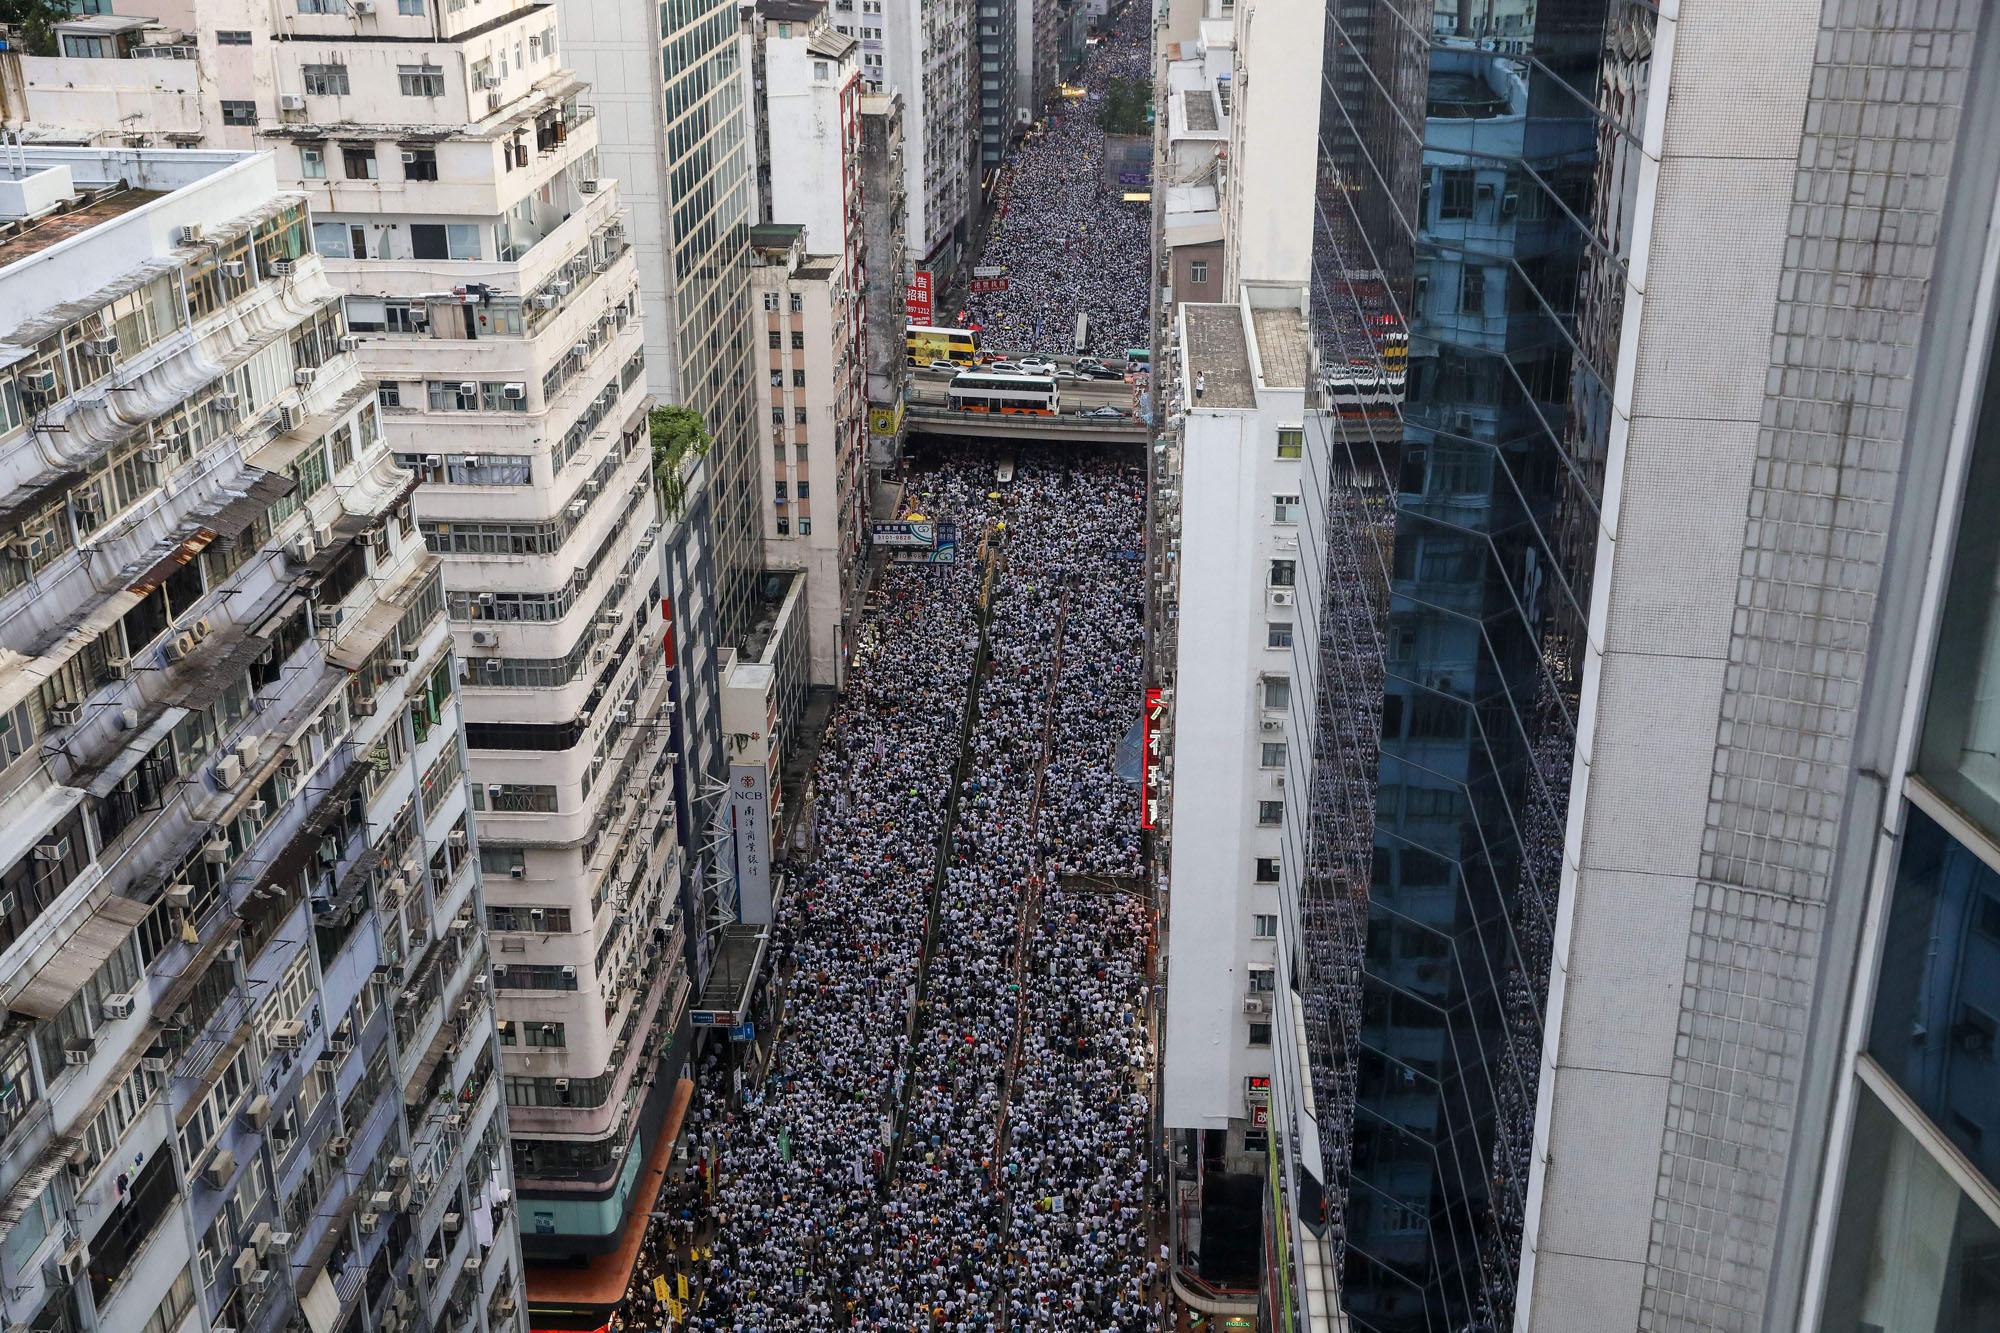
x=1029 y=395
x=1082 y=332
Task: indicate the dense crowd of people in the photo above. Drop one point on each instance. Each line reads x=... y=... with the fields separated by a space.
x=1067 y=238
x=992 y=1168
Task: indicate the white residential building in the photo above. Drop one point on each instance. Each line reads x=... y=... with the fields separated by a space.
x=810 y=396
x=251 y=1068
x=927 y=55
x=1243 y=369
x=490 y=278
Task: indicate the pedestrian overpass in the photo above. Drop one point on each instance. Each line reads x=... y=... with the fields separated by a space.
x=925 y=419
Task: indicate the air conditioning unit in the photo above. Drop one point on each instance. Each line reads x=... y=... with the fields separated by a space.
x=282 y=268
x=485 y=638
x=291 y=101
x=289 y=1035
x=177 y=895
x=190 y=234
x=70 y=1266
x=577 y=508
x=119 y=667
x=473 y=1263
x=433 y=1265
x=546 y=300
x=305 y=375
x=364 y=6
x=79 y=1050
x=1281 y=599
x=225 y=402
x=228 y=771
x=587 y=185
x=233 y=268
x=245 y=1265
x=338 y=1145
x=369 y=1222
x=1271 y=724
x=503 y=1307
x=494 y=101
x=327 y=617
x=107 y=346
x=260 y=1237
x=569 y=973
x=65 y=714
x=219 y=1169
x=119 y=1006
x=451 y=1223
x=1256 y=1004
x=468 y=389
x=215 y=851
x=257 y=1114
x=513 y=393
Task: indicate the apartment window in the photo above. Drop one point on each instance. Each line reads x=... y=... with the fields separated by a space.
x=420 y=164
x=1198 y=271
x=312 y=163
x=777 y=379
x=805 y=490
x=1291 y=442
x=771 y=303
x=1278 y=634
x=798 y=379
x=777 y=416
x=421 y=80
x=1472 y=290
x=358 y=161
x=1263 y=980
x=239 y=113
x=798 y=416
x=458 y=240
x=1277 y=692
x=389 y=394
x=1284 y=573
x=1273 y=755
x=784 y=527
x=325 y=80
x=798 y=341
x=232 y=37
x=777 y=339
x=781 y=489
x=1264 y=926
x=805 y=526
x=1455 y=200
x=1267 y=870
x=1270 y=813
x=1284 y=509
x=410 y=8
x=797 y=304
x=1260 y=1034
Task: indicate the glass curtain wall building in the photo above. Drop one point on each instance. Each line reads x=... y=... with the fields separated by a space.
x=1474 y=190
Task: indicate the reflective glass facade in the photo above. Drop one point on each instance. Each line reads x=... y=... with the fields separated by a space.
x=1476 y=174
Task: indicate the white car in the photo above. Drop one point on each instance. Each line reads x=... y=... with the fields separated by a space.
x=1037 y=365
x=1002 y=368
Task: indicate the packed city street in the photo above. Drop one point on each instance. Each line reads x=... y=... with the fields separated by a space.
x=996 y=1169
x=1069 y=242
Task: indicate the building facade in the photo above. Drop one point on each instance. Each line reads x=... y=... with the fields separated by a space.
x=929 y=58
x=1645 y=830
x=810 y=402
x=997 y=108
x=253 y=1074
x=496 y=298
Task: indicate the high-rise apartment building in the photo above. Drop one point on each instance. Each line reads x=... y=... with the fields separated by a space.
x=810 y=401
x=883 y=268
x=996 y=111
x=929 y=58
x=497 y=301
x=1633 y=910
x=252 y=1079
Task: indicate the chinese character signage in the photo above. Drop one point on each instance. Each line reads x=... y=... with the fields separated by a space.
x=1149 y=761
x=989 y=284
x=750 y=820
x=918 y=303
x=916 y=536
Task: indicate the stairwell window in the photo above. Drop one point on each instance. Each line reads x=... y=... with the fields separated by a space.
x=1291 y=442
x=1270 y=813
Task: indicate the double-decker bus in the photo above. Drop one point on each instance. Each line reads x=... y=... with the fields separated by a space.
x=1028 y=395
x=925 y=343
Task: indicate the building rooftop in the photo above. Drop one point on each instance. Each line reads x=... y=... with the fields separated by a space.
x=818 y=268
x=1201 y=117
x=790 y=11
x=1282 y=346
x=36 y=234
x=775 y=235
x=1215 y=351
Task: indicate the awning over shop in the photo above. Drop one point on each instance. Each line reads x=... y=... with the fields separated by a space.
x=79 y=958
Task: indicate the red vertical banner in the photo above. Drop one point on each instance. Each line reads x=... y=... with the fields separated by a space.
x=1149 y=761
x=918 y=299
x=667 y=638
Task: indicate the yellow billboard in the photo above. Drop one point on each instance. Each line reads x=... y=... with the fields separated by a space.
x=885 y=420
